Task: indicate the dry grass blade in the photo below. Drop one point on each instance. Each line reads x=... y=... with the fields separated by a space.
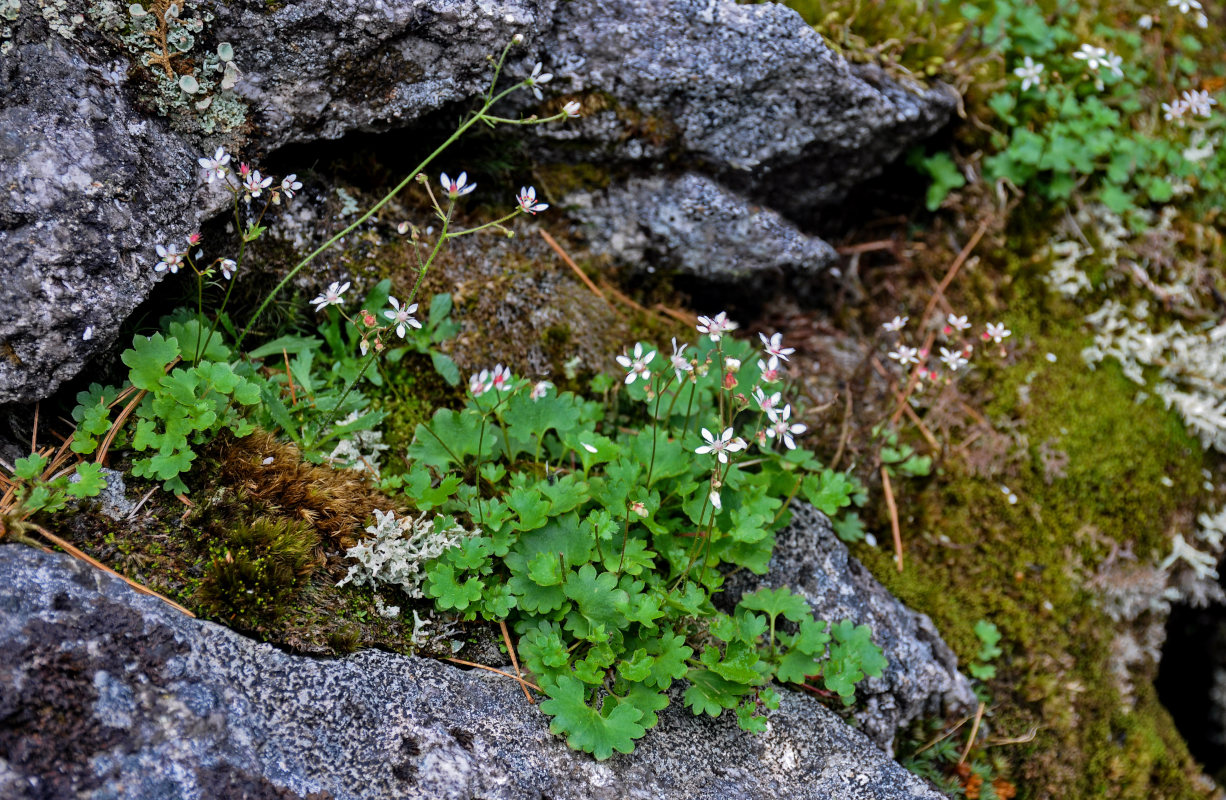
x=970 y=740
x=889 y=502
x=557 y=248
x=506 y=637
x=522 y=682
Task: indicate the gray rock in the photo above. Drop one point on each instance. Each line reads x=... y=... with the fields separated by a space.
x=90 y=186
x=922 y=677
x=747 y=92
x=105 y=693
x=694 y=225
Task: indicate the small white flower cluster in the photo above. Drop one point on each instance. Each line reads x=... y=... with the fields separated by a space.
x=1194 y=103
x=954 y=358
x=1187 y=7
x=1031 y=73
x=500 y=379
x=1098 y=60
x=397 y=551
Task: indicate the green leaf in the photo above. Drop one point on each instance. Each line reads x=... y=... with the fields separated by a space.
x=441 y=584
x=585 y=728
x=748 y=719
x=989 y=637
x=440 y=308
x=91 y=482
x=530 y=507
x=737 y=664
x=778 y=601
x=30 y=467
x=829 y=491
x=148 y=360
x=637 y=668
x=597 y=598
x=647 y=701
x=795 y=666
x=446 y=367
x=710 y=694
x=670 y=653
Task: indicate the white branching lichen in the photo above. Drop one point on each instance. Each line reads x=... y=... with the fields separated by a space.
x=398 y=549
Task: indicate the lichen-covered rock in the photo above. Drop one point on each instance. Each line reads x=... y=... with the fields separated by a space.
x=108 y=693
x=695 y=226
x=750 y=93
x=922 y=677
x=90 y=186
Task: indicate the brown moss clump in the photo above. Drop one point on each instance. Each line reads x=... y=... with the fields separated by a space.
x=259 y=472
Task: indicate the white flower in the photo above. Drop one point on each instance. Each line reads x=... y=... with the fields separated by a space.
x=534 y=80
x=480 y=383
x=457 y=188
x=253 y=184
x=680 y=363
x=1200 y=104
x=290 y=185
x=715 y=500
x=905 y=355
x=1203 y=563
x=781 y=429
x=715 y=327
x=216 y=167
x=895 y=325
x=588 y=447
x=957 y=323
x=953 y=359
x=1184 y=6
x=1145 y=22
x=1174 y=111
x=527 y=200
x=766 y=402
x=228 y=267
x=540 y=390
x=332 y=297
x=172 y=259
x=501 y=379
x=720 y=447
x=774 y=346
x=571 y=109
x=1115 y=63
x=996 y=331
x=636 y=366
x=401 y=317
x=1095 y=57
x=1031 y=73
x=770 y=370
x=732 y=365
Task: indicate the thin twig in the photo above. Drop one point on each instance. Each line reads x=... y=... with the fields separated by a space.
x=74 y=551
x=970 y=741
x=844 y=432
x=522 y=681
x=289 y=378
x=889 y=503
x=866 y=247
x=906 y=407
x=680 y=316
x=557 y=248
x=506 y=637
x=1028 y=736
x=913 y=379
x=946 y=735
x=137 y=507
x=953 y=271
x=622 y=298
x=34 y=435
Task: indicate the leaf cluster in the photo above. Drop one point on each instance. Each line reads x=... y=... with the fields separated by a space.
x=600 y=545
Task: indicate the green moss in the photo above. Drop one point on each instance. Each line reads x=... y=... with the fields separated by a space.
x=1096 y=474
x=254 y=570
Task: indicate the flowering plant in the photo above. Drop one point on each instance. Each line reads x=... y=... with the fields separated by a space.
x=601 y=544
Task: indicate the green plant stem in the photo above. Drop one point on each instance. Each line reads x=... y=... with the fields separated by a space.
x=655 y=421
x=689 y=410
x=365 y=365
x=387 y=198
x=492 y=224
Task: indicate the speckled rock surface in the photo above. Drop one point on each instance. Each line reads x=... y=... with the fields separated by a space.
x=105 y=693
x=922 y=677
x=84 y=181
x=696 y=226
x=748 y=93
